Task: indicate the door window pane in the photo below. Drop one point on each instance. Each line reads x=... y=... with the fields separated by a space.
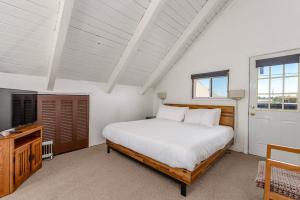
x=263 y=72
x=202 y=87
x=263 y=98
x=291 y=106
x=290 y=102
x=291 y=69
x=263 y=86
x=219 y=86
x=277 y=70
x=263 y=101
x=276 y=102
x=263 y=105
x=276 y=86
x=291 y=85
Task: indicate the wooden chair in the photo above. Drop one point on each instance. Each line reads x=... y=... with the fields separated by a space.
x=280 y=180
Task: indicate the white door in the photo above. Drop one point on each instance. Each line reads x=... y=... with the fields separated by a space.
x=274 y=109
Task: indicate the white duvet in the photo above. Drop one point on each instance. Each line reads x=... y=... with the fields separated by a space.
x=177 y=144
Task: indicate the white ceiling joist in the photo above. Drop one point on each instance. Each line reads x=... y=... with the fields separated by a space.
x=175 y=51
x=62 y=25
x=148 y=19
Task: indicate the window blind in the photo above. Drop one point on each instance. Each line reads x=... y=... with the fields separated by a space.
x=278 y=60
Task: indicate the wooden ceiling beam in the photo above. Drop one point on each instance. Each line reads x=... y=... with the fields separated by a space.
x=181 y=43
x=60 y=34
x=147 y=20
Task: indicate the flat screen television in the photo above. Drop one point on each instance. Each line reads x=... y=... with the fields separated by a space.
x=17 y=108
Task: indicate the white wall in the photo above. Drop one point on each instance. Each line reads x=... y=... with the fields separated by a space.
x=123 y=104
x=244 y=29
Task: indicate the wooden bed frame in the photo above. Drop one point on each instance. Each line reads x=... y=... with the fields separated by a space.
x=184 y=176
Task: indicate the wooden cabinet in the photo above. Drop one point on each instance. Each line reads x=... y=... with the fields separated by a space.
x=66 y=121
x=4 y=167
x=22 y=164
x=20 y=157
x=36 y=154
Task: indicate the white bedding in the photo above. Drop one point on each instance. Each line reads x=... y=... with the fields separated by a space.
x=177 y=144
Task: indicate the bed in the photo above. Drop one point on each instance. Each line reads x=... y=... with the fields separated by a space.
x=182 y=151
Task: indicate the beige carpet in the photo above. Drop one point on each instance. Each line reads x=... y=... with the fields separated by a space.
x=93 y=174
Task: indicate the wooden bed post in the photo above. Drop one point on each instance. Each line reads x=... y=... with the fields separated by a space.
x=183 y=189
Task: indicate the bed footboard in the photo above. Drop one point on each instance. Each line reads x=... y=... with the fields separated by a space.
x=184 y=176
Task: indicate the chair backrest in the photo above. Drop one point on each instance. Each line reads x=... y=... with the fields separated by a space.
x=285 y=168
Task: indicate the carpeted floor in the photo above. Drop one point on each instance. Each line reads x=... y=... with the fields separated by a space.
x=93 y=174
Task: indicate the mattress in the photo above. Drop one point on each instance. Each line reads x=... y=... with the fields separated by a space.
x=177 y=144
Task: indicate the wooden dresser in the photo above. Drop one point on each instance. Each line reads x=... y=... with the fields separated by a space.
x=20 y=157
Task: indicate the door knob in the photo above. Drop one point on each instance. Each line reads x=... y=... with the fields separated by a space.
x=252 y=113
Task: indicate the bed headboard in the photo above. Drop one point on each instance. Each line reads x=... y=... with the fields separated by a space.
x=227 y=112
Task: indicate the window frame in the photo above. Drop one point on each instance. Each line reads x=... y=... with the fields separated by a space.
x=282 y=94
x=210 y=76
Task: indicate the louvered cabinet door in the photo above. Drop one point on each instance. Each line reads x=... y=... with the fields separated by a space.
x=24 y=109
x=47 y=116
x=22 y=164
x=66 y=121
x=29 y=106
x=65 y=139
x=82 y=121
x=17 y=110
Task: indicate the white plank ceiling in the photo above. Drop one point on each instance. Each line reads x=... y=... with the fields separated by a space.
x=171 y=23
x=98 y=34
x=26 y=28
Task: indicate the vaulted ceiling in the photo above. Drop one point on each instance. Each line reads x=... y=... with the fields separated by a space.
x=132 y=42
x=26 y=31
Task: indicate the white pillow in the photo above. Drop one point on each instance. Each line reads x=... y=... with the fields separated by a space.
x=171 y=113
x=207 y=117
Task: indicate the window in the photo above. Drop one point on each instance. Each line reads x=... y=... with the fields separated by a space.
x=277 y=83
x=211 y=85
